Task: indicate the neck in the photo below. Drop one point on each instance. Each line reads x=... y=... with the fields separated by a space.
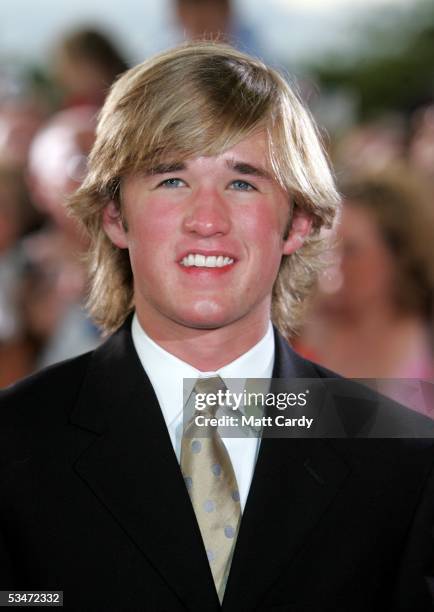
x=207 y=350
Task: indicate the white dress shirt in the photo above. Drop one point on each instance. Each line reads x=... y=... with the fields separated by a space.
x=167 y=373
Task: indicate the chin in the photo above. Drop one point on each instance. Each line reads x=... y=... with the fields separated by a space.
x=206 y=315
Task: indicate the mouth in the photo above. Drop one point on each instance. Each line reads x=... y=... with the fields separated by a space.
x=198 y=260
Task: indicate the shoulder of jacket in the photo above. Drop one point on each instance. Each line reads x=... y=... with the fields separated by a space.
x=58 y=385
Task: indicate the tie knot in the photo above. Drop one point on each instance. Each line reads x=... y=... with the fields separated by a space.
x=210 y=386
x=206 y=386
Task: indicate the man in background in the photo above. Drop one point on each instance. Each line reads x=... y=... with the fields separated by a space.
x=216 y=20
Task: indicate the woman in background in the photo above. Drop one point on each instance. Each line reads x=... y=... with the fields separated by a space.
x=377 y=321
x=86 y=62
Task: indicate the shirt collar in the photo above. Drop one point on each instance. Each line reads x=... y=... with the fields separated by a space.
x=167 y=373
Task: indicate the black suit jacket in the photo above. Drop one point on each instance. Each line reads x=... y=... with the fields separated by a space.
x=92 y=502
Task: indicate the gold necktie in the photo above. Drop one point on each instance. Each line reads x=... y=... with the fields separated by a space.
x=212 y=485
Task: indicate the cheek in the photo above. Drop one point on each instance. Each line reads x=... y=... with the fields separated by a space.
x=149 y=240
x=370 y=272
x=381 y=270
x=357 y=267
x=264 y=235
x=263 y=226
x=152 y=225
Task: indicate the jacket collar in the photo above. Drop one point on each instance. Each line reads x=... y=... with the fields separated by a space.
x=133 y=470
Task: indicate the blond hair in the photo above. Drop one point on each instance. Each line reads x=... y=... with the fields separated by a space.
x=201 y=99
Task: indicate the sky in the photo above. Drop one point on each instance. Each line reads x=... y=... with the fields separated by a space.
x=289 y=30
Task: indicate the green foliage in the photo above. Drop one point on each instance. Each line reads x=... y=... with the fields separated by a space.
x=394 y=67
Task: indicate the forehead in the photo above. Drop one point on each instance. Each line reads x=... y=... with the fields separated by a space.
x=253 y=148
x=248 y=156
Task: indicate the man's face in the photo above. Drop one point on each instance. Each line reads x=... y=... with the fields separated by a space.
x=206 y=238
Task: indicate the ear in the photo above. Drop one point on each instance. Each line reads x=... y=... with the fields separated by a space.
x=301 y=226
x=113 y=225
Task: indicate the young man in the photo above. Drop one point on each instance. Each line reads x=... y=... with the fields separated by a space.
x=206 y=193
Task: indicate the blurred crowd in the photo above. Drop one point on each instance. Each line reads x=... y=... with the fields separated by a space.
x=44 y=142
x=373 y=312
x=372 y=315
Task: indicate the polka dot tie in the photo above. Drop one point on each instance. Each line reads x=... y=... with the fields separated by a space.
x=212 y=486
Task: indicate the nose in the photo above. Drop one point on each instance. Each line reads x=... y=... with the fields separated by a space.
x=207 y=214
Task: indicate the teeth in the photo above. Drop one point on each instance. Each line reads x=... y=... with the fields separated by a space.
x=200 y=261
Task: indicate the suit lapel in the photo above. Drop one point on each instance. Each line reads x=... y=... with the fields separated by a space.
x=132 y=468
x=294 y=482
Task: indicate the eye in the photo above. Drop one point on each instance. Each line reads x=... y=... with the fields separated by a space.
x=240 y=185
x=172 y=183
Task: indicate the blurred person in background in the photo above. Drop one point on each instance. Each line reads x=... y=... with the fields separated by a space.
x=16 y=349
x=372 y=146
x=377 y=320
x=216 y=20
x=421 y=145
x=25 y=103
x=86 y=62
x=57 y=165
x=19 y=123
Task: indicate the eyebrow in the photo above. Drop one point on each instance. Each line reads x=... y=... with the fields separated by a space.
x=165 y=168
x=244 y=168
x=233 y=164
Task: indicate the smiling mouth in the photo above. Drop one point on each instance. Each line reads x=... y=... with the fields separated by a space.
x=206 y=261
